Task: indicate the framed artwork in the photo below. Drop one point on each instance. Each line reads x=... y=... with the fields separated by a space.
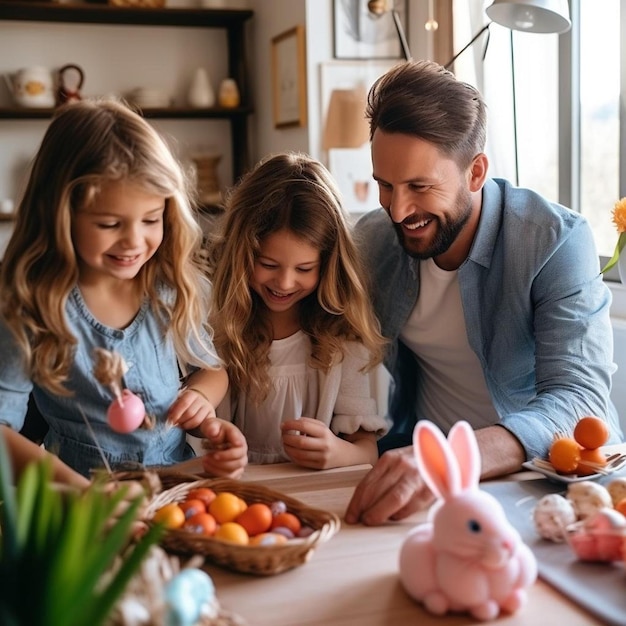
x=360 y=34
x=289 y=78
x=352 y=170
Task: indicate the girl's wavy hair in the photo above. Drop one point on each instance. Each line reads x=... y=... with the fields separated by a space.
x=293 y=192
x=87 y=145
x=423 y=99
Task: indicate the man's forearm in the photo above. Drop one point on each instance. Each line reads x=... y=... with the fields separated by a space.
x=501 y=452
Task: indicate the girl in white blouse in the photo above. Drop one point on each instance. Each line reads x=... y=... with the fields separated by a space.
x=293 y=321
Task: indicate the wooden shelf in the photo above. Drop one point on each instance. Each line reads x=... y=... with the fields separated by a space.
x=95 y=13
x=12 y=113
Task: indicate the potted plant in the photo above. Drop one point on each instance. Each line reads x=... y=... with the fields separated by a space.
x=57 y=547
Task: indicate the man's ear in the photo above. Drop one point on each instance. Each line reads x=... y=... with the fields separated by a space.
x=478 y=172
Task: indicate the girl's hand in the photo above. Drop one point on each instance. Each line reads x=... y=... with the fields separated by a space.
x=226 y=448
x=190 y=409
x=316 y=447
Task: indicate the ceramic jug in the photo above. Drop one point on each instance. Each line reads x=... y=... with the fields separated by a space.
x=32 y=87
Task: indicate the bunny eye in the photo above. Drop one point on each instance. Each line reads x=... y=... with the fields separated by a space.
x=474 y=526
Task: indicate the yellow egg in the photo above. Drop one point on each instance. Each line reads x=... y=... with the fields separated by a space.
x=225 y=507
x=232 y=532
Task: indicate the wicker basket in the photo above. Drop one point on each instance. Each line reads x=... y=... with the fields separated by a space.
x=262 y=560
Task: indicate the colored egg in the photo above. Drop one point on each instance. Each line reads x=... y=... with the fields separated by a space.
x=186 y=595
x=268 y=539
x=126 y=417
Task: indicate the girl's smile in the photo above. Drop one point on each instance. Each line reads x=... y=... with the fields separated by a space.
x=286 y=270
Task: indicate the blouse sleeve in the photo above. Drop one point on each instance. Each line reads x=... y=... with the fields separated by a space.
x=362 y=396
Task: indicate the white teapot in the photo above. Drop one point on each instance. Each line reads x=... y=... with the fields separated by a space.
x=32 y=87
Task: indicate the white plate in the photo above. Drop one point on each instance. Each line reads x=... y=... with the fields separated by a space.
x=570 y=478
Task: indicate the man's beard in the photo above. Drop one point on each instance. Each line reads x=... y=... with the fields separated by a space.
x=447 y=232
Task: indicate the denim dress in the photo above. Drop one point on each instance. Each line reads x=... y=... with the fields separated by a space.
x=153 y=375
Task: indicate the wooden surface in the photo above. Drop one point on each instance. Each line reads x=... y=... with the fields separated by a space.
x=352 y=580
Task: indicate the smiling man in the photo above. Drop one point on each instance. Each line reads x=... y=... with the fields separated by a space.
x=491 y=295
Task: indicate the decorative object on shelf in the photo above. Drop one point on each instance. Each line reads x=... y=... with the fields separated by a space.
x=370 y=30
x=289 y=78
x=71 y=79
x=7 y=206
x=201 y=94
x=148 y=98
x=32 y=87
x=228 y=95
x=207 y=178
x=619 y=219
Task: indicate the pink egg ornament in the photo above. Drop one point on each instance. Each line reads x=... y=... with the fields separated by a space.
x=126 y=417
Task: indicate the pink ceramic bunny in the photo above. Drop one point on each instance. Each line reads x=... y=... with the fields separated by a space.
x=467 y=557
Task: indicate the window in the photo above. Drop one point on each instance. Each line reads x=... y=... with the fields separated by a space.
x=565 y=98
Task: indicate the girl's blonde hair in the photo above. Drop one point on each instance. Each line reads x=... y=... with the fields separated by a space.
x=294 y=192
x=89 y=144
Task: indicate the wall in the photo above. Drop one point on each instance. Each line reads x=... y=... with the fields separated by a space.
x=618 y=316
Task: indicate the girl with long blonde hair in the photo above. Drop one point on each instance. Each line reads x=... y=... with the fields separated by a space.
x=293 y=321
x=104 y=255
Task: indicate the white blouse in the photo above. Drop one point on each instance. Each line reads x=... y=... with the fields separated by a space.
x=345 y=398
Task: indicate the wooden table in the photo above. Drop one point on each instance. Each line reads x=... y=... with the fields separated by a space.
x=352 y=580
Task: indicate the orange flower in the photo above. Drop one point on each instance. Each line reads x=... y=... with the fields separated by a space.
x=619 y=215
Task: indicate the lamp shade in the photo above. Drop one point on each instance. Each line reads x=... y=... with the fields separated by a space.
x=532 y=16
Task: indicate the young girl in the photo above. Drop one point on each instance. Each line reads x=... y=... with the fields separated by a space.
x=104 y=255
x=293 y=321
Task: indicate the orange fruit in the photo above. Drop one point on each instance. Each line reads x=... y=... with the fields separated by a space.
x=591 y=432
x=564 y=455
x=191 y=507
x=256 y=519
x=233 y=533
x=205 y=494
x=170 y=515
x=201 y=523
x=287 y=520
x=225 y=507
x=590 y=455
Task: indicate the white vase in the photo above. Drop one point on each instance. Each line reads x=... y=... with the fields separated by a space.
x=201 y=94
x=621 y=266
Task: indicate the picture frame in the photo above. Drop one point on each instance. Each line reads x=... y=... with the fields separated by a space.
x=360 y=34
x=289 y=78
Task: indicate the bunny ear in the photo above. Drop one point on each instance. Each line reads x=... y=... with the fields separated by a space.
x=464 y=446
x=436 y=462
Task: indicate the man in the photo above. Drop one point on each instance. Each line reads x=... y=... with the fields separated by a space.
x=491 y=295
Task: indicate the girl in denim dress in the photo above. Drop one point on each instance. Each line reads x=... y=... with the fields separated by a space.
x=104 y=255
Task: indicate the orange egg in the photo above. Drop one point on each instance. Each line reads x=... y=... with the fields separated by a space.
x=620 y=507
x=225 y=507
x=201 y=523
x=591 y=432
x=256 y=519
x=593 y=455
x=268 y=539
x=287 y=520
x=233 y=533
x=564 y=455
x=170 y=515
x=191 y=507
x=205 y=494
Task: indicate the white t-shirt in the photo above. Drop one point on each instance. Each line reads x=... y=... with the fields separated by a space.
x=345 y=398
x=452 y=385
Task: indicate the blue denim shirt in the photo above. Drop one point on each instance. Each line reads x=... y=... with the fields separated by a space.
x=536 y=312
x=153 y=375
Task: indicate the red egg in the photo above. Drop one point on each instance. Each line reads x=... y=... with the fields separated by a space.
x=127 y=417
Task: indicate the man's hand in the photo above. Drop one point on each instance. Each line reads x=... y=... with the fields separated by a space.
x=226 y=448
x=391 y=490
